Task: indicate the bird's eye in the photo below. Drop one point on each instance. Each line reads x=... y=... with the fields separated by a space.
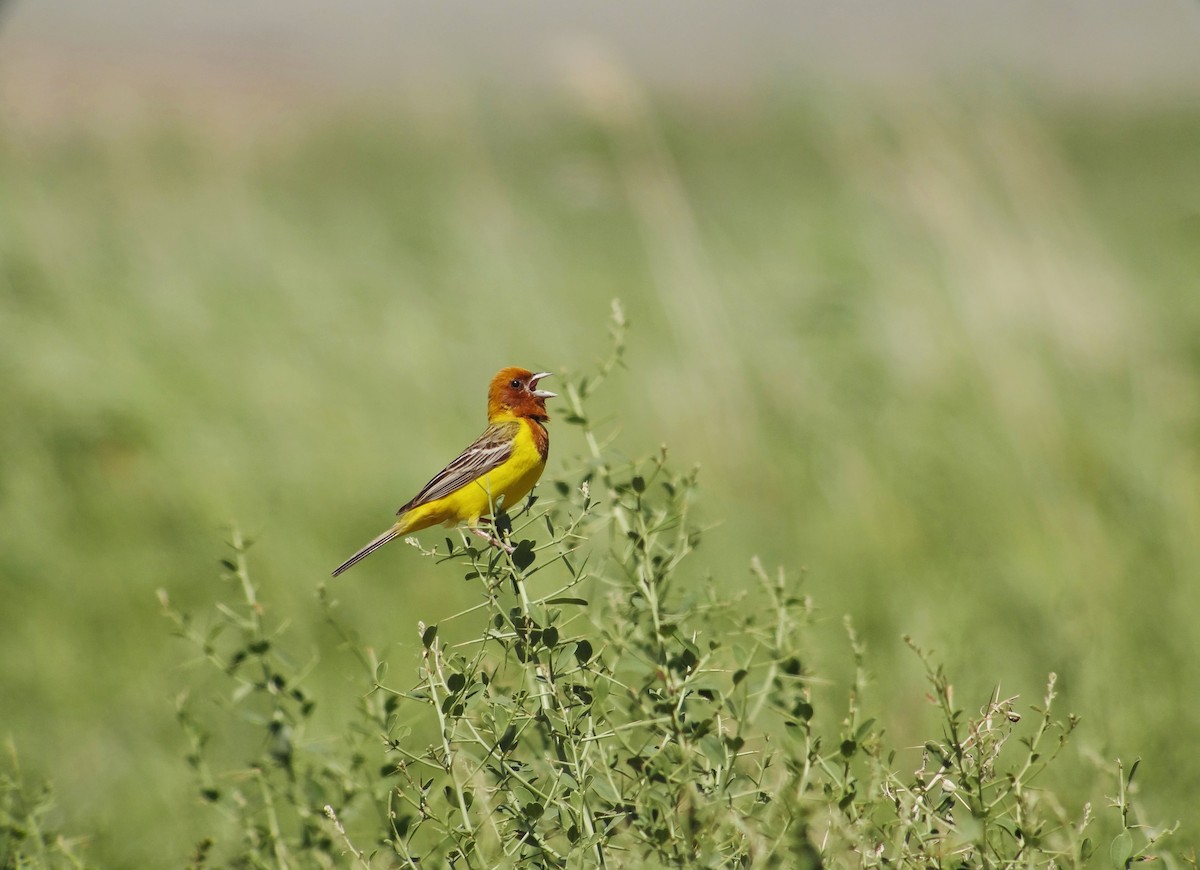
x=516 y=385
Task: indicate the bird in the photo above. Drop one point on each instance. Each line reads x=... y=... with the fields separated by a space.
x=502 y=465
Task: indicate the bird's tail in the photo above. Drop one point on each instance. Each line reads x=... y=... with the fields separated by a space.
x=368 y=549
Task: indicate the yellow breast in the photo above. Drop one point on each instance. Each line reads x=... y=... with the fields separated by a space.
x=505 y=485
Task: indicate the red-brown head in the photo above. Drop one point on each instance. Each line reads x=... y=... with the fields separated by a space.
x=514 y=392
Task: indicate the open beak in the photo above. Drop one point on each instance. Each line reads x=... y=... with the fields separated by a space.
x=541 y=394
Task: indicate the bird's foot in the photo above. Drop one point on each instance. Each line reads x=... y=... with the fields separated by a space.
x=495 y=542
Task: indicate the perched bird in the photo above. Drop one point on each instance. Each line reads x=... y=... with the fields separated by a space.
x=503 y=464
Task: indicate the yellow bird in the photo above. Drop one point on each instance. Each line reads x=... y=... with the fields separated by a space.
x=501 y=466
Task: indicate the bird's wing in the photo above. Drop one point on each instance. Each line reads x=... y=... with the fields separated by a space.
x=489 y=452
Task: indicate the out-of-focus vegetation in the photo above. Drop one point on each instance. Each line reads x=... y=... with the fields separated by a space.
x=942 y=355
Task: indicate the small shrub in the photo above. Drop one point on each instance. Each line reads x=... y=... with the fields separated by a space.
x=606 y=712
x=29 y=824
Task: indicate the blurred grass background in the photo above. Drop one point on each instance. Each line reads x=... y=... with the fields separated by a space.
x=943 y=352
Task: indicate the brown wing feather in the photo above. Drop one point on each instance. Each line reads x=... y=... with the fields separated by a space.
x=488 y=452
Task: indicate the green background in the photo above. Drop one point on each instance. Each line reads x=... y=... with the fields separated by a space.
x=942 y=354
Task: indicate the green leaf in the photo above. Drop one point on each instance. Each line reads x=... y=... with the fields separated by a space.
x=600 y=690
x=1132 y=771
x=604 y=790
x=583 y=652
x=581 y=602
x=638 y=484
x=1121 y=850
x=456 y=682
x=933 y=749
x=713 y=749
x=523 y=555
x=428 y=636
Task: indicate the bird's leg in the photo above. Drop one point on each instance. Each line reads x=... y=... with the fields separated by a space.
x=495 y=542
